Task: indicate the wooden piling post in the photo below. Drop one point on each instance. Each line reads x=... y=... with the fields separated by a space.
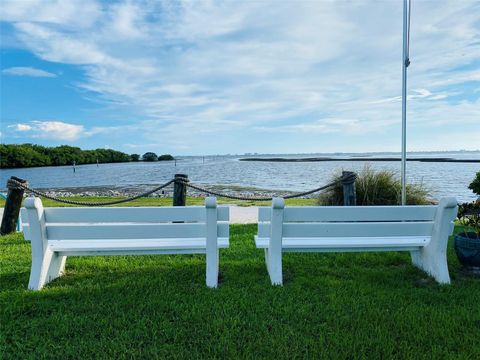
x=349 y=193
x=180 y=190
x=13 y=203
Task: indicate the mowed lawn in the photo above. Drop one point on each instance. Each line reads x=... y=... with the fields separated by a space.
x=167 y=201
x=344 y=306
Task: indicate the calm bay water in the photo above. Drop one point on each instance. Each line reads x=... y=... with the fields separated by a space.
x=443 y=179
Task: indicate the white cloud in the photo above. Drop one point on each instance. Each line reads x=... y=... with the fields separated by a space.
x=54 y=46
x=55 y=130
x=71 y=13
x=28 y=71
x=21 y=127
x=124 y=18
x=189 y=68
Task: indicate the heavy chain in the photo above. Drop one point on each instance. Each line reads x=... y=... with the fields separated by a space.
x=15 y=184
x=350 y=177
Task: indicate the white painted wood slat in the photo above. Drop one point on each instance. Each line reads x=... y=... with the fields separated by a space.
x=131 y=231
x=370 y=229
x=153 y=214
x=25 y=224
x=25 y=227
x=352 y=213
x=100 y=245
x=387 y=243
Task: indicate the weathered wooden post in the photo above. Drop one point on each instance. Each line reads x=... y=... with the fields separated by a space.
x=349 y=193
x=180 y=190
x=13 y=203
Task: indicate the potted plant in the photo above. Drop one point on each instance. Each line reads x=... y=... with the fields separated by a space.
x=467 y=242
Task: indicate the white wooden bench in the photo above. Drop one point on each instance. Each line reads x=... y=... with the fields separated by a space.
x=56 y=233
x=422 y=230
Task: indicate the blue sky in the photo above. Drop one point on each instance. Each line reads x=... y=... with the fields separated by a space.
x=208 y=77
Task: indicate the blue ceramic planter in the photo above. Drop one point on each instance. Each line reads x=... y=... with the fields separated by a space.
x=467 y=247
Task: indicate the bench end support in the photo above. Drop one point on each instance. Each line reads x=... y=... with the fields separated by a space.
x=433 y=257
x=273 y=255
x=212 y=242
x=46 y=265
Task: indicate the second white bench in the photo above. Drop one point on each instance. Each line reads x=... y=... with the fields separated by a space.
x=422 y=230
x=56 y=233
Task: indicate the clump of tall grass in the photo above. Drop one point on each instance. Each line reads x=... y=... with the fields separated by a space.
x=377 y=188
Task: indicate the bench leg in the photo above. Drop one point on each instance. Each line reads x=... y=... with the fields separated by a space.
x=433 y=257
x=46 y=269
x=274 y=252
x=274 y=266
x=212 y=268
x=266 y=260
x=40 y=268
x=57 y=267
x=433 y=262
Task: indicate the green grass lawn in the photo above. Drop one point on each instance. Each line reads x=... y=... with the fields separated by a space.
x=345 y=306
x=167 y=201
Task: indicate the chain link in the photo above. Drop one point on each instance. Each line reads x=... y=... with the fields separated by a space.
x=15 y=184
x=251 y=198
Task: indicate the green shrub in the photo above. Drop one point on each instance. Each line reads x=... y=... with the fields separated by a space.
x=475 y=185
x=165 y=157
x=27 y=155
x=149 y=156
x=376 y=188
x=469 y=216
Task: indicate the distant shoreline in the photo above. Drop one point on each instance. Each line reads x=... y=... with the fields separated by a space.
x=315 y=159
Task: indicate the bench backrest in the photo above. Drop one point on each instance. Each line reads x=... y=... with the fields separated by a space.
x=25 y=224
x=348 y=221
x=74 y=223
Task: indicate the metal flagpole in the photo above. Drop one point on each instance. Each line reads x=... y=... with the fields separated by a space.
x=405 y=63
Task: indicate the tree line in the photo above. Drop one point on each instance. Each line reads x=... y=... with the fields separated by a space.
x=29 y=155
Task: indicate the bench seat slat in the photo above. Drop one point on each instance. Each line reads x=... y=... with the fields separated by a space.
x=97 y=246
x=346 y=213
x=370 y=229
x=338 y=244
x=147 y=214
x=130 y=231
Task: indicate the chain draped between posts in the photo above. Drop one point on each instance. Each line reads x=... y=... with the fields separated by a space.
x=14 y=184
x=11 y=184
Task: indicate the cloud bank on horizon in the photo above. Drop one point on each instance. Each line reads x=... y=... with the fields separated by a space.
x=203 y=77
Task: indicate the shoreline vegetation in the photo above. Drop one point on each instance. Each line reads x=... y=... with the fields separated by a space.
x=13 y=156
x=312 y=159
